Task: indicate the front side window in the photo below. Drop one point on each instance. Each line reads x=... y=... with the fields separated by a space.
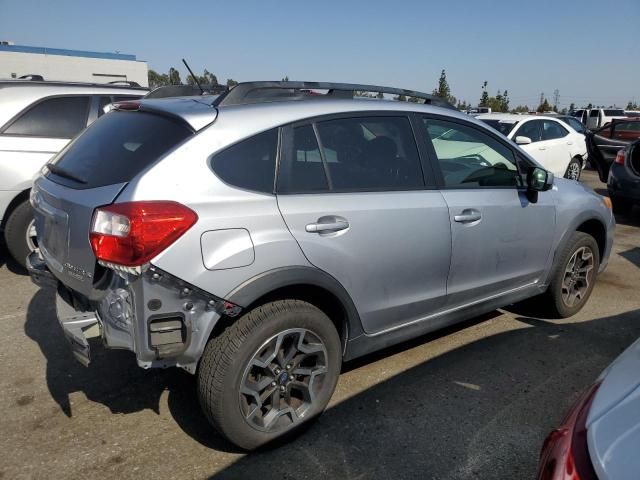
x=58 y=117
x=352 y=154
x=552 y=130
x=531 y=129
x=470 y=158
x=575 y=124
x=249 y=164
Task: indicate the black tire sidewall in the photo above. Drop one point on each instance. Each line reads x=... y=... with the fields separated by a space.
x=281 y=316
x=574 y=160
x=578 y=240
x=15 y=232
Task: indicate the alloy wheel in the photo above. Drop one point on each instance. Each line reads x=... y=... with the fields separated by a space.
x=573 y=171
x=31 y=236
x=578 y=275
x=283 y=380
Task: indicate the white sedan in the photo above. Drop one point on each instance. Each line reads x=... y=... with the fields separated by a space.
x=551 y=141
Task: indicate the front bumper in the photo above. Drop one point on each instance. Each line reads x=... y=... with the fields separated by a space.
x=164 y=321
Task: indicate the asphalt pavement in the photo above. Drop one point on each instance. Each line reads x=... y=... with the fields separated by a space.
x=474 y=401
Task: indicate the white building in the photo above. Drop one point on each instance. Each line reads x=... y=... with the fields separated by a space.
x=70 y=65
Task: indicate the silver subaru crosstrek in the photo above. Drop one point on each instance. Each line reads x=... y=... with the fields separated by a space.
x=259 y=238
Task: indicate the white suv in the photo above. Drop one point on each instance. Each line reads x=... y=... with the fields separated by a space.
x=37 y=119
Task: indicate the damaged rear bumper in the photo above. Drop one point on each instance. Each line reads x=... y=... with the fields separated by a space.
x=164 y=321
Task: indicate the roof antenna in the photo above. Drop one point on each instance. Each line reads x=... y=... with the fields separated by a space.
x=195 y=79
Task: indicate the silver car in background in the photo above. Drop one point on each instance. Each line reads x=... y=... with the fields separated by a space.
x=37 y=119
x=261 y=237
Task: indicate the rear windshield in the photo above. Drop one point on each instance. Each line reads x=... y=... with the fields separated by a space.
x=503 y=127
x=116 y=147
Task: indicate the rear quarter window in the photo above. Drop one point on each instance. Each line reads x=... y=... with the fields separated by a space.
x=249 y=164
x=118 y=146
x=58 y=117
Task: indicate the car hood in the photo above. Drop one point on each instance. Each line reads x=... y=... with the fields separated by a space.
x=613 y=424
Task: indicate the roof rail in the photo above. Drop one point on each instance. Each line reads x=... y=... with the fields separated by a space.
x=33 y=77
x=124 y=82
x=167 y=91
x=261 y=92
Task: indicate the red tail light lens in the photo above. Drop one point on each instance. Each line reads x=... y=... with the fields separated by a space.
x=565 y=455
x=130 y=234
x=620 y=157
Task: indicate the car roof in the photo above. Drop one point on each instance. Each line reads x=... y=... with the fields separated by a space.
x=200 y=111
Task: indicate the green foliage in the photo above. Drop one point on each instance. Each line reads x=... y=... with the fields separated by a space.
x=207 y=78
x=484 y=98
x=572 y=107
x=231 y=82
x=545 y=106
x=174 y=77
x=443 y=90
x=157 y=80
x=285 y=79
x=632 y=106
x=400 y=98
x=520 y=109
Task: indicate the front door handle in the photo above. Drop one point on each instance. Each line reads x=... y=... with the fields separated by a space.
x=467 y=216
x=327 y=225
x=569 y=142
x=542 y=148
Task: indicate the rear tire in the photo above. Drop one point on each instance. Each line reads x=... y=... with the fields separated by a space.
x=20 y=242
x=281 y=347
x=574 y=169
x=573 y=277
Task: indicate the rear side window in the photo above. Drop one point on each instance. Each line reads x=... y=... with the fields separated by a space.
x=594 y=113
x=552 y=130
x=352 y=154
x=59 y=117
x=626 y=130
x=118 y=146
x=531 y=129
x=250 y=164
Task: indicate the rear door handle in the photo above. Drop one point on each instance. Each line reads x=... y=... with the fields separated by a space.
x=569 y=143
x=323 y=226
x=542 y=148
x=467 y=216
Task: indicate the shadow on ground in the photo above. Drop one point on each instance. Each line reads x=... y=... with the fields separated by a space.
x=479 y=411
x=6 y=260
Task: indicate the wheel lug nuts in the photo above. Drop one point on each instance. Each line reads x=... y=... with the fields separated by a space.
x=277 y=370
x=273 y=384
x=289 y=367
x=282 y=388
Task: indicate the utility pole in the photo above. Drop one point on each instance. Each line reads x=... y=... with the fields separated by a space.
x=556 y=99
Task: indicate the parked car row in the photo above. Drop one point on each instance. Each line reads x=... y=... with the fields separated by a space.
x=261 y=237
x=37 y=119
x=594 y=118
x=553 y=141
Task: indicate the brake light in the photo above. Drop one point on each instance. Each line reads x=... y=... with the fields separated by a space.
x=620 y=157
x=565 y=455
x=130 y=234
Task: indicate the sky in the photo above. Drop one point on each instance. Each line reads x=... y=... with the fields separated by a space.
x=587 y=50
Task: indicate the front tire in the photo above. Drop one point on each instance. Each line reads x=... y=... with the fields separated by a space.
x=574 y=169
x=270 y=372
x=573 y=277
x=19 y=233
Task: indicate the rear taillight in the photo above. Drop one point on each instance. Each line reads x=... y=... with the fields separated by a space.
x=565 y=454
x=620 y=157
x=130 y=234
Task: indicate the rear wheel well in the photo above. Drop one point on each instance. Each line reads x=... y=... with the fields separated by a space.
x=317 y=296
x=17 y=200
x=596 y=229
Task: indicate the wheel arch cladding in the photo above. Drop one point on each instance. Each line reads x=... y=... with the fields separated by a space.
x=303 y=283
x=597 y=230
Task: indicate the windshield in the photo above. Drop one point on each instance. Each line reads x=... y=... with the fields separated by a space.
x=503 y=126
x=116 y=147
x=614 y=113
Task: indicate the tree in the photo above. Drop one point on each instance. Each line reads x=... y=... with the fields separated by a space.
x=443 y=90
x=572 y=107
x=157 y=80
x=286 y=78
x=521 y=109
x=174 y=77
x=400 y=98
x=207 y=78
x=231 y=82
x=590 y=105
x=484 y=99
x=632 y=105
x=544 y=106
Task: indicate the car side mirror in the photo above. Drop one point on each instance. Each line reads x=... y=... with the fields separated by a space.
x=520 y=140
x=539 y=179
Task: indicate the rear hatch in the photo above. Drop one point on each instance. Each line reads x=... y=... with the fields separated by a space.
x=90 y=172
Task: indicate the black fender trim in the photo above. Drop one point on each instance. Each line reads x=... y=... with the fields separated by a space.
x=256 y=287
